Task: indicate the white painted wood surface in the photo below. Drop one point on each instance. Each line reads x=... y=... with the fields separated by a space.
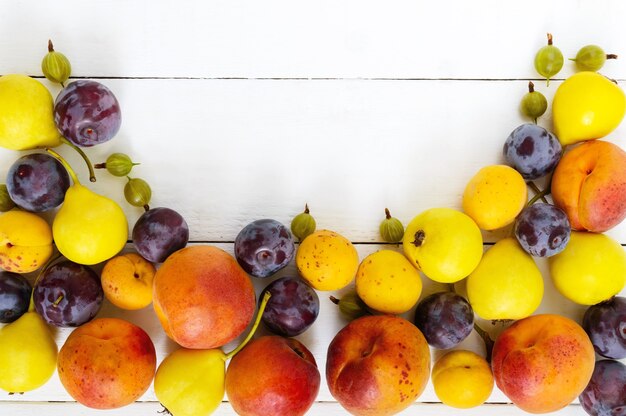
x=240 y=110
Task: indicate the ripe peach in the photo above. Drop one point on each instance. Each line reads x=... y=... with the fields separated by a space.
x=272 y=376
x=107 y=363
x=377 y=365
x=202 y=297
x=589 y=184
x=543 y=362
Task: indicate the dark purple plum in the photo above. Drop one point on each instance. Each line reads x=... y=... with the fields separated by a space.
x=14 y=296
x=68 y=294
x=87 y=113
x=605 y=323
x=292 y=308
x=543 y=230
x=532 y=151
x=263 y=247
x=37 y=182
x=605 y=395
x=445 y=319
x=158 y=233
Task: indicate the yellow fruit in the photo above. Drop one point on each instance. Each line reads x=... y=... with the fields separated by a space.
x=26 y=114
x=191 y=382
x=25 y=241
x=462 y=379
x=127 y=281
x=29 y=354
x=507 y=284
x=587 y=106
x=591 y=268
x=387 y=282
x=327 y=260
x=494 y=196
x=445 y=244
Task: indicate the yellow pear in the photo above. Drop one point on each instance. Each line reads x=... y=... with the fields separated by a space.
x=507 y=284
x=587 y=106
x=25 y=241
x=89 y=228
x=29 y=353
x=26 y=114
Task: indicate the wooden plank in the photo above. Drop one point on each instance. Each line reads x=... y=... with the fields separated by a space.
x=226 y=152
x=321 y=408
x=281 y=38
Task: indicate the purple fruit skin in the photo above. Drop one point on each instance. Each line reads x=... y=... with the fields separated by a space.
x=532 y=151
x=37 y=182
x=14 y=296
x=87 y=113
x=445 y=319
x=292 y=308
x=605 y=323
x=543 y=230
x=263 y=247
x=605 y=395
x=81 y=290
x=158 y=233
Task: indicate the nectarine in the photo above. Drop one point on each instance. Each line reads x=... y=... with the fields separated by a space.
x=202 y=297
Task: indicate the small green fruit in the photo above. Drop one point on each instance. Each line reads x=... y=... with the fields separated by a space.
x=351 y=305
x=303 y=224
x=391 y=229
x=137 y=192
x=117 y=164
x=6 y=203
x=534 y=104
x=591 y=58
x=55 y=66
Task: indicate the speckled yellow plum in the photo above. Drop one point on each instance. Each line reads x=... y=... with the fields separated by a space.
x=387 y=282
x=327 y=260
x=494 y=196
x=25 y=241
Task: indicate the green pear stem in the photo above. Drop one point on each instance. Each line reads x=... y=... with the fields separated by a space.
x=65 y=165
x=487 y=339
x=266 y=297
x=92 y=173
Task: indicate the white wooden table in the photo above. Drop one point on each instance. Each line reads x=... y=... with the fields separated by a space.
x=241 y=110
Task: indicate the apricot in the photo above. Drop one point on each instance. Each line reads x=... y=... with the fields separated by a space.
x=589 y=184
x=202 y=297
x=543 y=362
x=107 y=363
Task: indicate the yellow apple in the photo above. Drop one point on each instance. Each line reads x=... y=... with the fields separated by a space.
x=25 y=241
x=445 y=244
x=127 y=281
x=591 y=268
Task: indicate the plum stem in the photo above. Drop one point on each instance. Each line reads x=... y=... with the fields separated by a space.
x=92 y=173
x=266 y=297
x=65 y=165
x=59 y=299
x=539 y=194
x=487 y=340
x=51 y=260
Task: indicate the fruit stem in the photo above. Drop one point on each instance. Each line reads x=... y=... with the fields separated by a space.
x=538 y=194
x=50 y=46
x=92 y=173
x=531 y=86
x=387 y=214
x=306 y=208
x=334 y=300
x=611 y=56
x=419 y=238
x=487 y=340
x=549 y=39
x=65 y=165
x=266 y=297
x=59 y=299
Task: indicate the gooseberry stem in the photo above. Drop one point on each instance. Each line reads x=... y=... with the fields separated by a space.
x=334 y=300
x=306 y=208
x=387 y=214
x=92 y=173
x=611 y=56
x=549 y=39
x=266 y=297
x=65 y=165
x=487 y=340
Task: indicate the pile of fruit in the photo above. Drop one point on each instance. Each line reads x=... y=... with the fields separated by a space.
x=380 y=362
